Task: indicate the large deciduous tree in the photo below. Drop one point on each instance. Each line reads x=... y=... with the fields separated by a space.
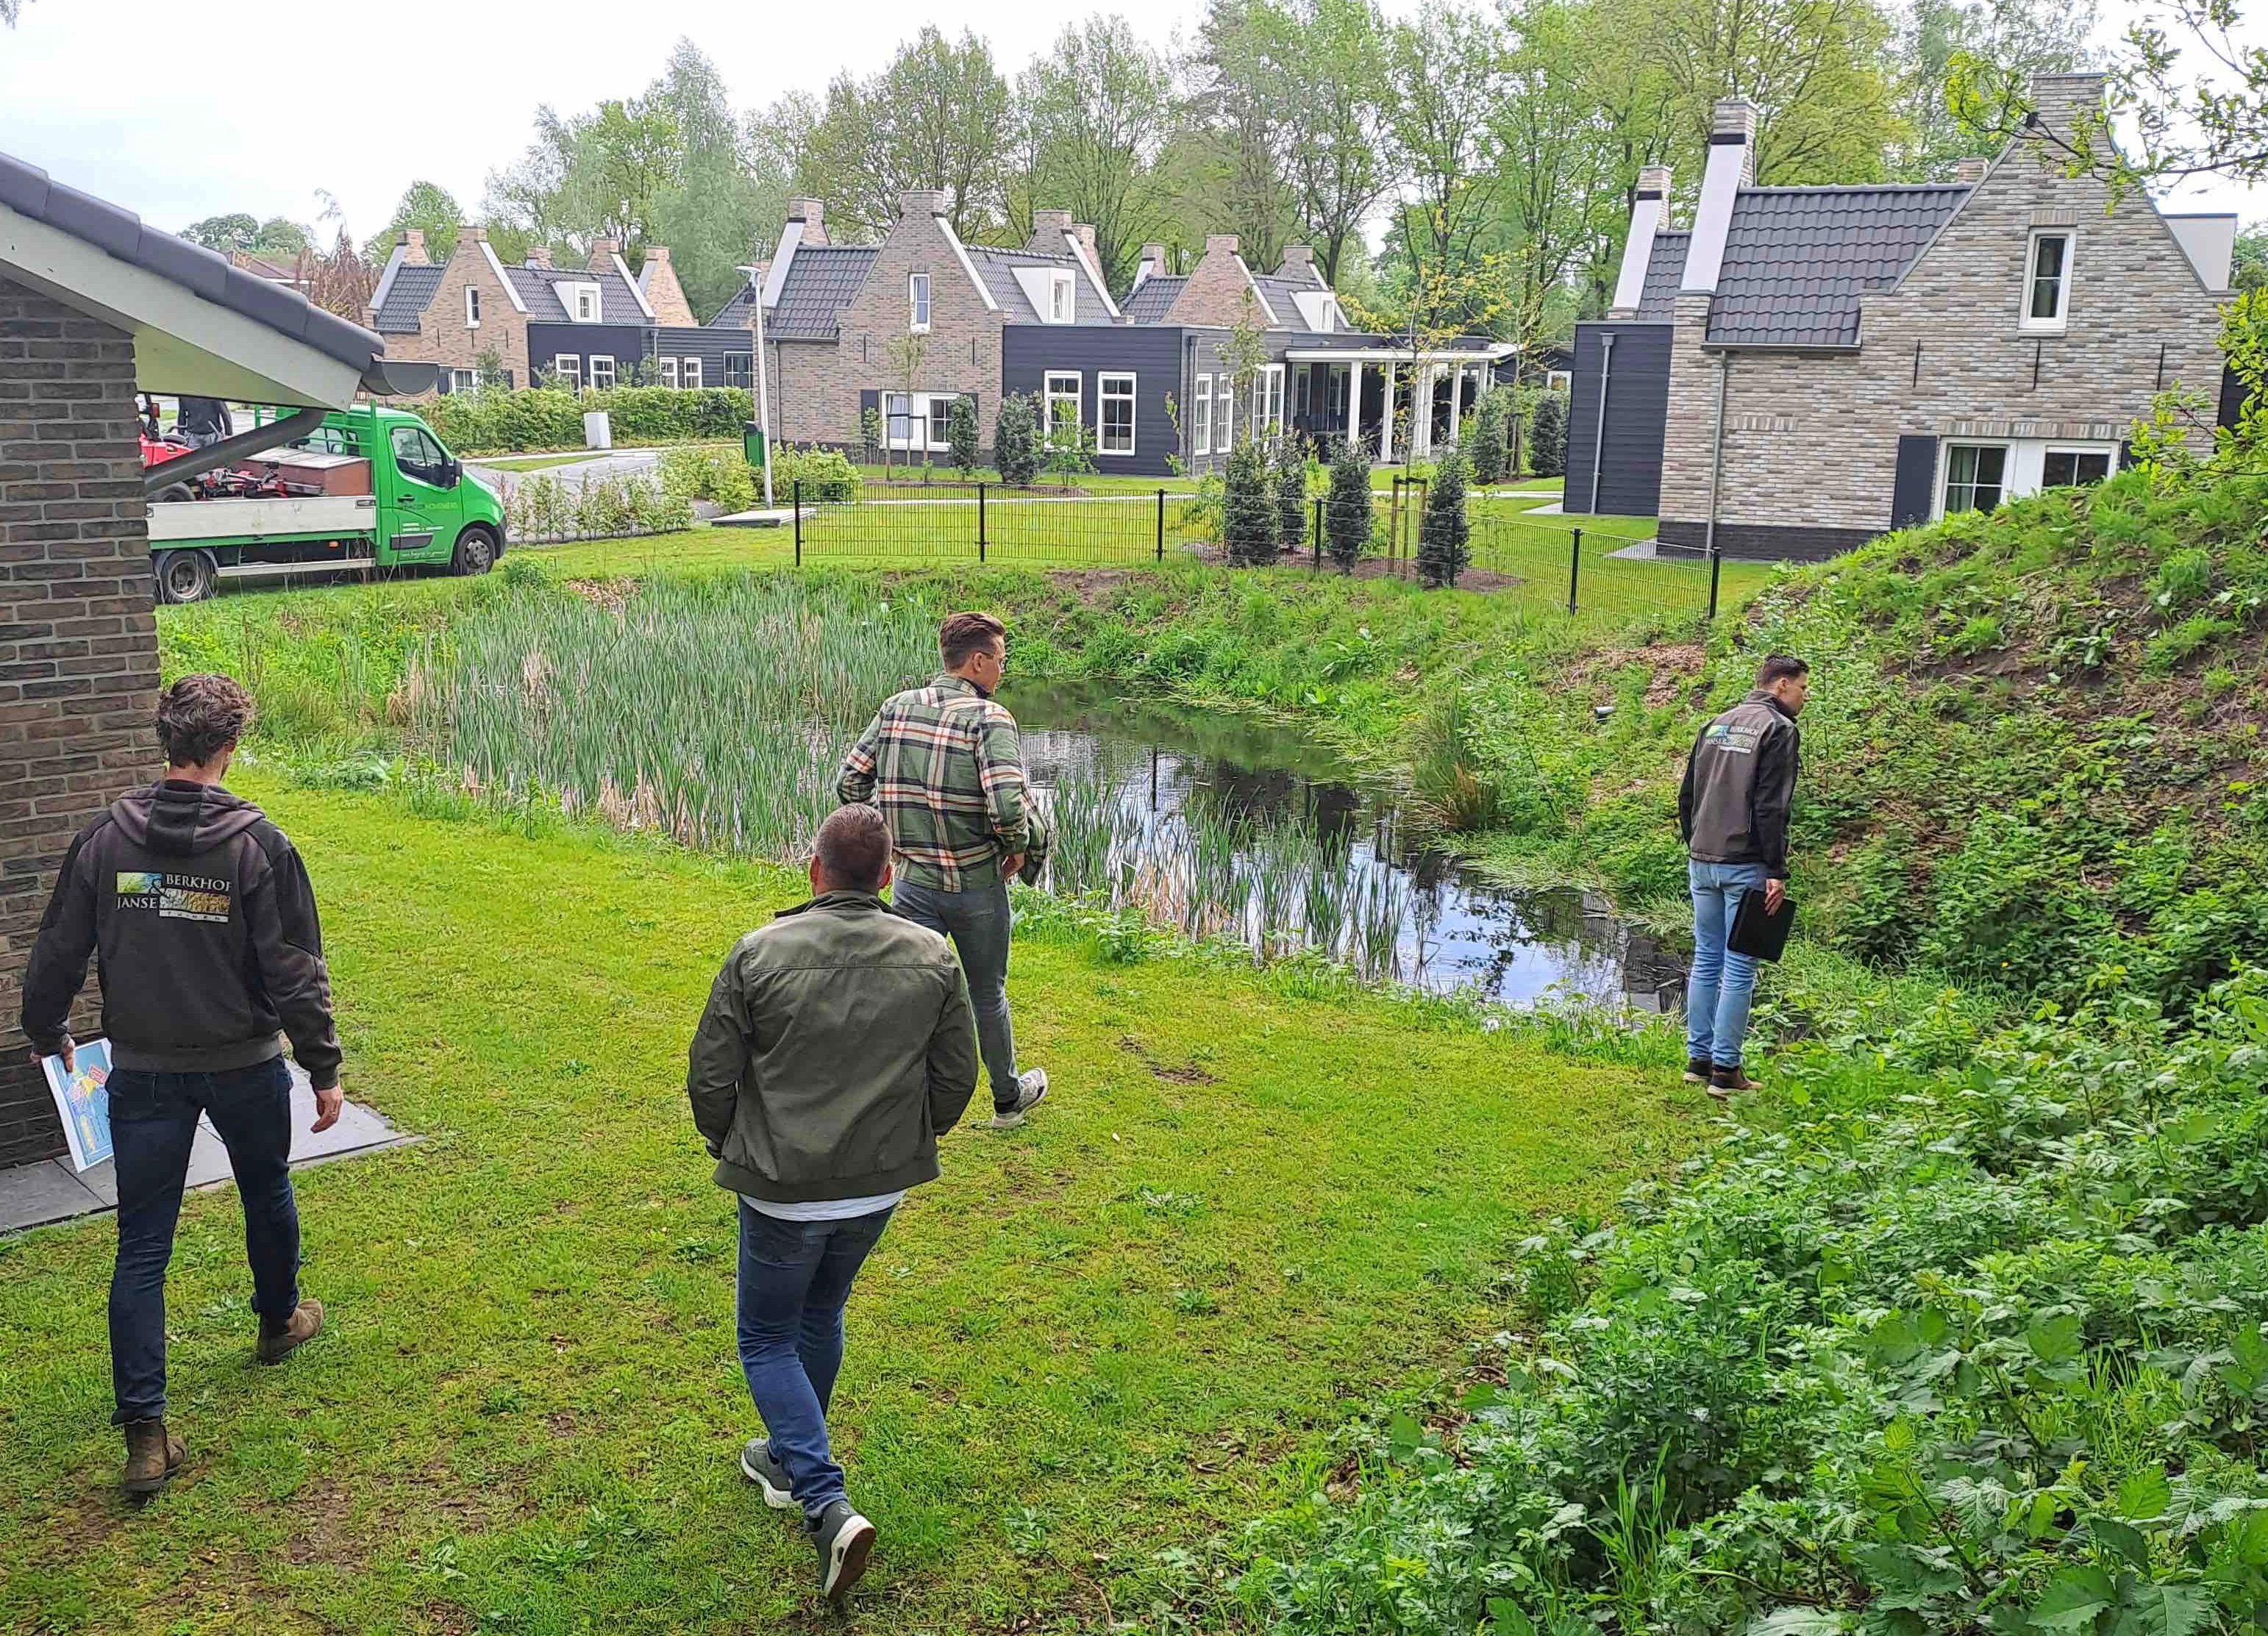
x=937 y=117
x=1096 y=111
x=431 y=209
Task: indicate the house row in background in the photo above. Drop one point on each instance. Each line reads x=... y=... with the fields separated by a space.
x=868 y=344
x=1803 y=368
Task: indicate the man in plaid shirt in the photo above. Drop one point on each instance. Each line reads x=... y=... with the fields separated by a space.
x=943 y=764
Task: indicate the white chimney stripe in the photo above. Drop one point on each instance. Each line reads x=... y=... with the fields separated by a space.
x=1637 y=251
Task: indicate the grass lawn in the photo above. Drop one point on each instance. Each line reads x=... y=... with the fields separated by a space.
x=537 y=462
x=1246 y=1215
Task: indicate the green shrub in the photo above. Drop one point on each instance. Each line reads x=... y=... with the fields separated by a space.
x=1547 y=436
x=1347 y=514
x=499 y=420
x=961 y=433
x=721 y=476
x=542 y=508
x=1484 y=435
x=827 y=477
x=1289 y=474
x=1248 y=514
x=1444 y=535
x=1016 y=440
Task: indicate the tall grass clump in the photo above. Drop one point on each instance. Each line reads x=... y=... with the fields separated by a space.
x=716 y=711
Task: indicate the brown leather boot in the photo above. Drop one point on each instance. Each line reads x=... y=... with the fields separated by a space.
x=305 y=1323
x=152 y=1455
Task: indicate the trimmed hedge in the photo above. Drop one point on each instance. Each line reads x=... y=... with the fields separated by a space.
x=500 y=422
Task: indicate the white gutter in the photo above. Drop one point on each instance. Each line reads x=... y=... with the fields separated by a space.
x=967 y=266
x=637 y=294
x=1079 y=255
x=1599 y=435
x=511 y=290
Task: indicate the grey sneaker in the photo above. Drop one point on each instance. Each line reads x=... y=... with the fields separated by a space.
x=1031 y=1089
x=758 y=1466
x=844 y=1540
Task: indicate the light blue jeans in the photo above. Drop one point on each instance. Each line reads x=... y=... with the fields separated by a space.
x=1721 y=985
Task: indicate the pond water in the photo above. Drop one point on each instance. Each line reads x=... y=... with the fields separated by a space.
x=1224 y=826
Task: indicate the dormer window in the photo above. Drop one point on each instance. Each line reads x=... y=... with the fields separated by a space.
x=1062 y=302
x=581 y=302
x=472 y=307
x=2047 y=281
x=917 y=304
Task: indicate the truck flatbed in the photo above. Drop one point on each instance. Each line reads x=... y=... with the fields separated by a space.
x=263 y=522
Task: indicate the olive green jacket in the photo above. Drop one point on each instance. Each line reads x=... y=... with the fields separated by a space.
x=837 y=1047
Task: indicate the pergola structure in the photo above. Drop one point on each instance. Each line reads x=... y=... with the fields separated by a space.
x=1350 y=388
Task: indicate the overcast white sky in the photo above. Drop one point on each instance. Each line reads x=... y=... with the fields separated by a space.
x=182 y=111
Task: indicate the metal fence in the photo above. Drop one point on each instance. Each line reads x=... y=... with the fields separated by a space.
x=1541 y=560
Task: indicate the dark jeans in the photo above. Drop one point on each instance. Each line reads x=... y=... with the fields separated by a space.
x=153 y=1120
x=794 y=1278
x=977 y=921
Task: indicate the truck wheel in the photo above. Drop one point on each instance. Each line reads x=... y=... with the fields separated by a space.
x=172 y=494
x=184 y=576
x=476 y=551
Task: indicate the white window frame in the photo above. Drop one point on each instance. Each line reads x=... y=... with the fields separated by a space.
x=1105 y=382
x=1267 y=401
x=597 y=359
x=1558 y=380
x=2060 y=320
x=1051 y=394
x=917 y=304
x=573 y=296
x=1201 y=416
x=690 y=375
x=1945 y=474
x=1224 y=416
x=1062 y=299
x=472 y=307
x=920 y=420
x=941 y=429
x=745 y=372
x=464 y=381
x=2109 y=451
x=569 y=366
x=668 y=371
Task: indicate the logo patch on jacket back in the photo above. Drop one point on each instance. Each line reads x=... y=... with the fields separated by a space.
x=175 y=896
x=1735 y=740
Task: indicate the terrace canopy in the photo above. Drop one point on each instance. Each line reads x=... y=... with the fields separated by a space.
x=1359 y=386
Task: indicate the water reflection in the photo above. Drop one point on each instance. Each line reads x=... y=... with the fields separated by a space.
x=1224 y=825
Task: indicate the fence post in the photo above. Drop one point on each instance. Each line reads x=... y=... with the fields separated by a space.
x=980 y=522
x=797 y=489
x=1161 y=525
x=1716 y=565
x=1318 y=531
x=1574 y=567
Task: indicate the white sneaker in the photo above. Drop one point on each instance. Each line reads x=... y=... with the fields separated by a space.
x=1032 y=1088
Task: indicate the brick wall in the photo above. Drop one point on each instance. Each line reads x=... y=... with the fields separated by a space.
x=1813 y=441
x=78 y=644
x=442 y=337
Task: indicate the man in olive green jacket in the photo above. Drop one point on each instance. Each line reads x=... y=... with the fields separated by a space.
x=837 y=1046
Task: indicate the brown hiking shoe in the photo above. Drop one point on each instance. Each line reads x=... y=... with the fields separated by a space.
x=305 y=1323
x=152 y=1455
x=1724 y=1081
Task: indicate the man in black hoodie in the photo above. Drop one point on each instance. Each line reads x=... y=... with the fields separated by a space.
x=202 y=923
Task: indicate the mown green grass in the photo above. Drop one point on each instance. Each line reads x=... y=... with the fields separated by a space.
x=536 y=462
x=1244 y=1216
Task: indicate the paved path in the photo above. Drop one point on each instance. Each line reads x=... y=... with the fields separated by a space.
x=618 y=463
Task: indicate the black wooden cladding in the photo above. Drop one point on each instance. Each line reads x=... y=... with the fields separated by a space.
x=1151 y=353
x=1636 y=418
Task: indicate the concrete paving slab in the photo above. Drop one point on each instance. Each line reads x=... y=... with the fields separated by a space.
x=757 y=519
x=36 y=1194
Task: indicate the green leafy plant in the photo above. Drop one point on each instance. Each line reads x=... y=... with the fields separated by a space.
x=1445 y=534
x=1016 y=449
x=961 y=434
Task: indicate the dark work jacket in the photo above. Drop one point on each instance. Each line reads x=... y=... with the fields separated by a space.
x=202 y=922
x=1740 y=782
x=837 y=1047
x=206 y=416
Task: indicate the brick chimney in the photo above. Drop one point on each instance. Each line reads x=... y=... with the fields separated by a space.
x=1971 y=171
x=1048 y=229
x=2071 y=104
x=813 y=215
x=663 y=293
x=1152 y=262
x=1219 y=292
x=920 y=205
x=603 y=252
x=1299 y=262
x=413 y=242
x=466 y=234
x=1649 y=215
x=1084 y=232
x=1732 y=165
x=540 y=255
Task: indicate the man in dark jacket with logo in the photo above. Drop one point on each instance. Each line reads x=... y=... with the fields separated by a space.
x=838 y=1045
x=203 y=922
x=1732 y=809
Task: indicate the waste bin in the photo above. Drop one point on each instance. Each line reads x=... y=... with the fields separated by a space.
x=752 y=440
x=598 y=430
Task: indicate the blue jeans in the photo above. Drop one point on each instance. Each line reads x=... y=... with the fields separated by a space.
x=794 y=1278
x=153 y=1120
x=977 y=921
x=1721 y=985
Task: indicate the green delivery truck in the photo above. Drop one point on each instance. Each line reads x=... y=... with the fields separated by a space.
x=369 y=488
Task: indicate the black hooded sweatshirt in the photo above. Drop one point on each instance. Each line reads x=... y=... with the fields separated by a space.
x=202 y=922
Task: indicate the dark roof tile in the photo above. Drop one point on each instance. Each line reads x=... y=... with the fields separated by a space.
x=1150 y=299
x=1797 y=260
x=822 y=280
x=410 y=294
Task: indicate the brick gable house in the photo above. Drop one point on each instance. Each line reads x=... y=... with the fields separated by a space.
x=890 y=335
x=1803 y=368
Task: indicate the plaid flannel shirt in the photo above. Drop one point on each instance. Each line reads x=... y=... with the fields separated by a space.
x=943 y=764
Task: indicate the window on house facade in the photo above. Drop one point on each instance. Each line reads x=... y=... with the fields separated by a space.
x=461 y=379
x=940 y=422
x=1201 y=416
x=668 y=371
x=1976 y=476
x=1061 y=299
x=568 y=368
x=1224 y=415
x=1268 y=401
x=917 y=304
x=472 y=307
x=581 y=302
x=2074 y=468
x=602 y=371
x=740 y=369
x=2047 y=282
x=691 y=374
x=1061 y=388
x=919 y=421
x=1114 y=414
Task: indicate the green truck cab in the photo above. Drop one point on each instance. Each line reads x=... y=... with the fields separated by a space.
x=370 y=488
